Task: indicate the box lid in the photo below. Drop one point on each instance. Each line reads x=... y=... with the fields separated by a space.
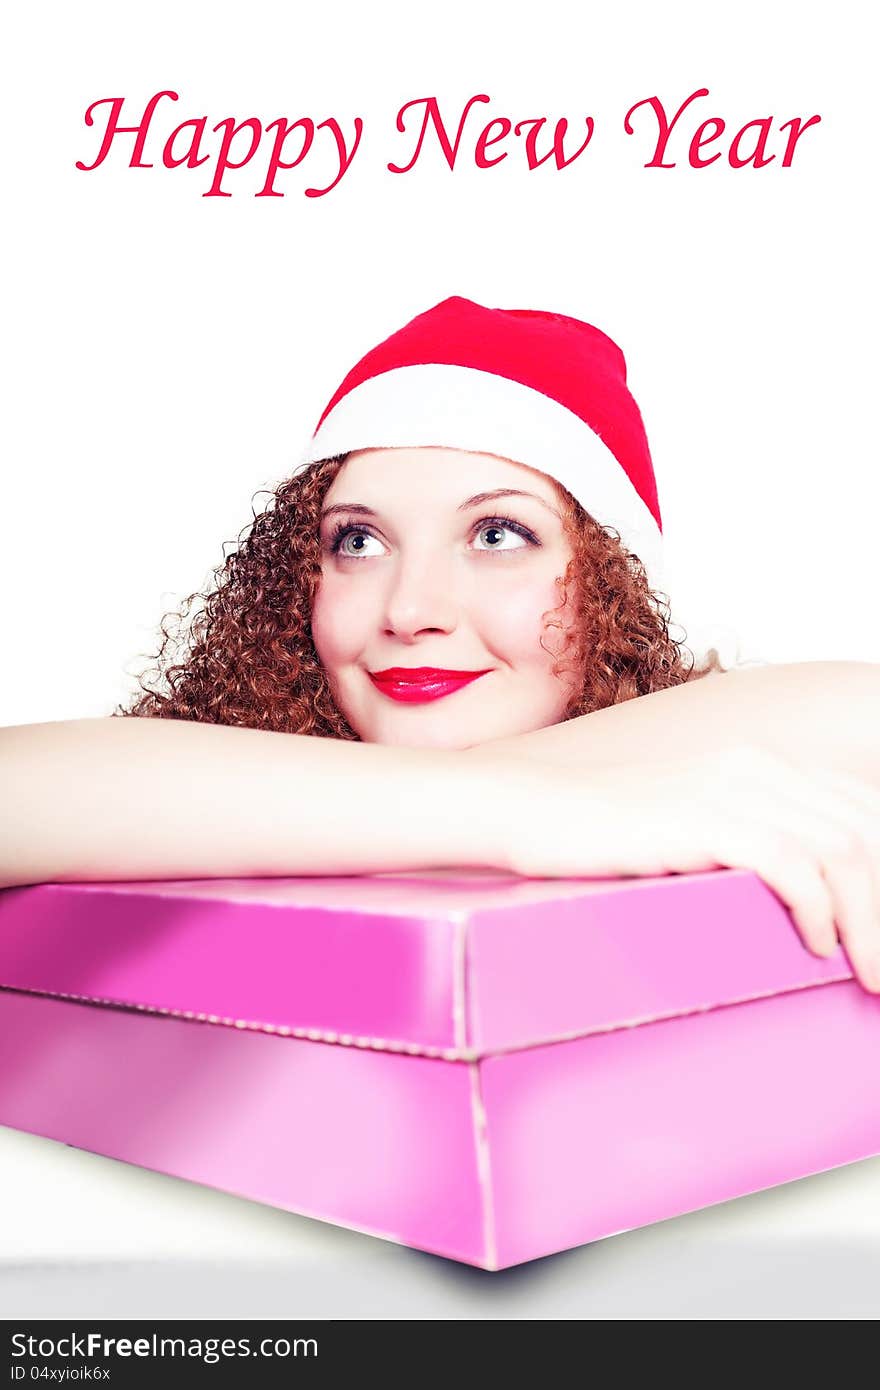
x=449 y=964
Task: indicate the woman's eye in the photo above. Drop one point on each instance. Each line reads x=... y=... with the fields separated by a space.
x=500 y=537
x=353 y=543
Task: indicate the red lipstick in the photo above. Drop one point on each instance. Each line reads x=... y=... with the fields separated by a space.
x=415 y=685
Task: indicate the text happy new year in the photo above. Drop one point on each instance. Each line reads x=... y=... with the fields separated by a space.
x=689 y=134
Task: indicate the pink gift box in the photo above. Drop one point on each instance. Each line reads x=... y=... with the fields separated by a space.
x=488 y=1068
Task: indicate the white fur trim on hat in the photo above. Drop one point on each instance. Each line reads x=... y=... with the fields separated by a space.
x=455 y=407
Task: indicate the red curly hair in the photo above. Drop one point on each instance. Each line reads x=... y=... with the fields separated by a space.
x=246 y=656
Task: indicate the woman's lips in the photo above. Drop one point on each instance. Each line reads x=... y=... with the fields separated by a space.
x=416 y=685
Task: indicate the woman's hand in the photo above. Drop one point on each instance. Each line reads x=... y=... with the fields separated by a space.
x=813 y=837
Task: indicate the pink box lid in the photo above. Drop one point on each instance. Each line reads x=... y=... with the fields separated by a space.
x=451 y=964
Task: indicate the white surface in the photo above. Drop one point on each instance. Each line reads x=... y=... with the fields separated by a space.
x=86 y=1236
x=167 y=355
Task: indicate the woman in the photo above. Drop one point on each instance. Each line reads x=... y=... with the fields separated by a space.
x=443 y=646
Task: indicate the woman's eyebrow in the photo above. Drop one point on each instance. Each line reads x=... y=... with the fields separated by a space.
x=481 y=497
x=478 y=500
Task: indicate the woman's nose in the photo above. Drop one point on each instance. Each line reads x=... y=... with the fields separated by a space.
x=420 y=598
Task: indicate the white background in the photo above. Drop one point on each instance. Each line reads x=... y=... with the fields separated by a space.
x=167 y=355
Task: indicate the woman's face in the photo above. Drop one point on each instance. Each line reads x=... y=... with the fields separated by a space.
x=433 y=562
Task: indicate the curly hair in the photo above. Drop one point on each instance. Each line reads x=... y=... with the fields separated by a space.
x=241 y=653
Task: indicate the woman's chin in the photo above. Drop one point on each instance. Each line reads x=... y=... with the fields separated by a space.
x=424 y=739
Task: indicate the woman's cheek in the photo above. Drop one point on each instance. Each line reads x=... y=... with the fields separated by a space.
x=340 y=617
x=515 y=619
x=327 y=630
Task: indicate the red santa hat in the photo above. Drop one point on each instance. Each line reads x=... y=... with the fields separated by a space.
x=538 y=388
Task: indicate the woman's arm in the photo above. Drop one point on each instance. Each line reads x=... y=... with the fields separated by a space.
x=824 y=714
x=117 y=798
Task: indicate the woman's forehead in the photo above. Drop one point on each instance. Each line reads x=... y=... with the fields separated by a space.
x=388 y=477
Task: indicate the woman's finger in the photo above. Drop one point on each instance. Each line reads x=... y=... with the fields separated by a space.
x=836 y=821
x=794 y=874
x=852 y=879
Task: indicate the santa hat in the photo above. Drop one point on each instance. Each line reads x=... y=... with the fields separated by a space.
x=537 y=388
